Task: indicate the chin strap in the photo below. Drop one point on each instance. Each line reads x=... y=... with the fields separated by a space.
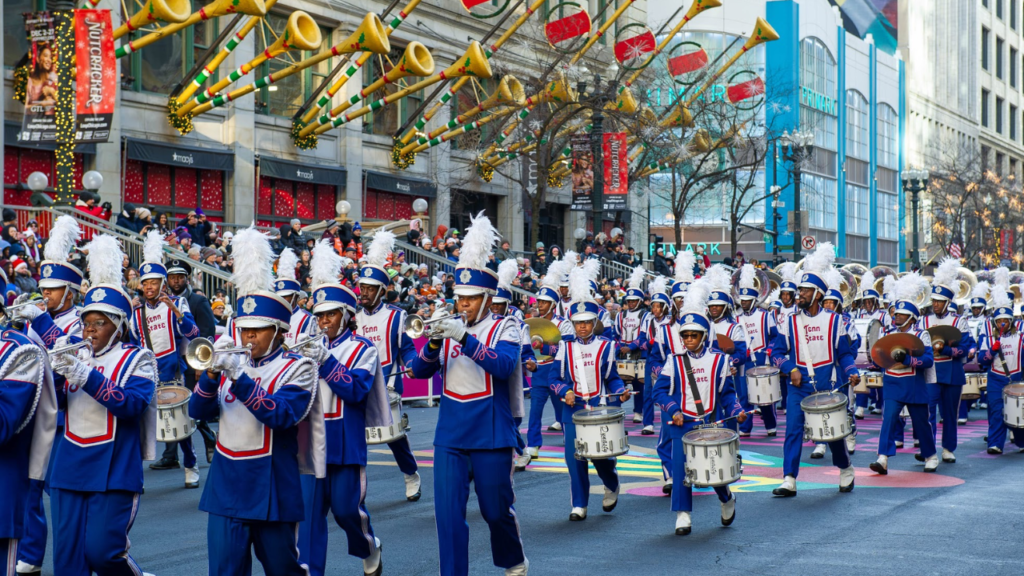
x=909 y=320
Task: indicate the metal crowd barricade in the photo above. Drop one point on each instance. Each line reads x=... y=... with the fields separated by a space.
x=436 y=263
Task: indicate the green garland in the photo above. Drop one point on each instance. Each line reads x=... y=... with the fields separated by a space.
x=401 y=161
x=303 y=142
x=21 y=83
x=555 y=181
x=183 y=123
x=485 y=170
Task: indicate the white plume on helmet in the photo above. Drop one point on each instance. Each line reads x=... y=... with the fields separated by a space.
x=381 y=247
x=696 y=299
x=833 y=279
x=685 y=261
x=747 y=275
x=64 y=234
x=867 y=281
x=507 y=272
x=1000 y=298
x=981 y=290
x=911 y=287
x=946 y=273
x=636 y=278
x=821 y=260
x=718 y=278
x=1001 y=279
x=325 y=265
x=254 y=260
x=580 y=278
x=153 y=248
x=889 y=284
x=775 y=295
x=788 y=272
x=556 y=271
x=478 y=243
x=286 y=264
x=106 y=260
x=658 y=286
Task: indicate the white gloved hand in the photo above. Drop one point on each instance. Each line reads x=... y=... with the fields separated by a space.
x=316 y=351
x=452 y=328
x=567 y=329
x=230 y=364
x=70 y=367
x=28 y=313
x=439 y=312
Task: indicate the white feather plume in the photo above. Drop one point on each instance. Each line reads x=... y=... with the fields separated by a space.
x=718 y=278
x=478 y=243
x=685 y=261
x=821 y=259
x=106 y=260
x=153 y=248
x=788 y=272
x=888 y=285
x=507 y=272
x=571 y=258
x=658 y=286
x=1001 y=277
x=380 y=249
x=325 y=265
x=286 y=264
x=833 y=279
x=867 y=281
x=775 y=296
x=946 y=273
x=636 y=278
x=981 y=290
x=910 y=287
x=556 y=271
x=64 y=234
x=747 y=275
x=1000 y=298
x=580 y=278
x=696 y=299
x=254 y=262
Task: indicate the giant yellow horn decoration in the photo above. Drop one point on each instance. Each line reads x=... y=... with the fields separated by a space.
x=214 y=9
x=416 y=61
x=763 y=32
x=681 y=117
x=170 y=11
x=697 y=7
x=300 y=33
x=472 y=63
x=369 y=37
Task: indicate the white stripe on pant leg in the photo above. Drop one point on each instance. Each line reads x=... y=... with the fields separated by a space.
x=304 y=567
x=128 y=541
x=364 y=518
x=12 y=556
x=519 y=532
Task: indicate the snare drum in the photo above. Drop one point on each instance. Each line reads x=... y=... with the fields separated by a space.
x=984 y=383
x=172 y=411
x=1013 y=405
x=627 y=369
x=641 y=369
x=871 y=379
x=388 y=434
x=826 y=418
x=763 y=388
x=712 y=457
x=600 y=433
x=862 y=386
x=972 y=389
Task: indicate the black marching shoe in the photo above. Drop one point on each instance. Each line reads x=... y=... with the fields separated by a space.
x=165 y=464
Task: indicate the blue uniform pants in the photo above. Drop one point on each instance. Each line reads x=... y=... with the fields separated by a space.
x=638 y=397
x=90 y=532
x=492 y=479
x=403 y=455
x=682 y=496
x=891 y=423
x=795 y=434
x=342 y=492
x=947 y=398
x=539 y=396
x=32 y=546
x=9 y=548
x=232 y=541
x=520 y=443
x=648 y=396
x=579 y=473
x=996 y=427
x=665 y=452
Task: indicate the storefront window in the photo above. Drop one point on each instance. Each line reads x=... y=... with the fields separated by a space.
x=280 y=200
x=284 y=97
x=174 y=190
x=380 y=205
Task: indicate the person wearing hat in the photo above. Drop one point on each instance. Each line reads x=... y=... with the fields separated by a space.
x=572 y=260
x=980 y=327
x=833 y=302
x=302 y=324
x=29 y=413
x=164 y=325
x=824 y=356
x=384 y=325
x=906 y=383
x=501 y=305
x=585 y=375
x=695 y=388
x=760 y=329
x=657 y=335
x=110 y=414
x=477 y=354
x=261 y=398
x=869 y=309
x=788 y=307
x=353 y=397
x=720 y=306
x=1000 y=354
x=632 y=343
x=949 y=360
x=127 y=220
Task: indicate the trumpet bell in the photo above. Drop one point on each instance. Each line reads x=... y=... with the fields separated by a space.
x=510 y=92
x=170 y=11
x=416 y=61
x=763 y=32
x=472 y=63
x=414 y=327
x=199 y=354
x=625 y=103
x=370 y=36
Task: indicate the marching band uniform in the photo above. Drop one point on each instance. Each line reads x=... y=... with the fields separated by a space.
x=587 y=368
x=1002 y=370
x=507 y=271
x=816 y=346
x=906 y=385
x=475 y=427
x=978 y=324
x=655 y=332
x=834 y=280
x=629 y=325
x=353 y=396
x=540 y=382
x=164 y=331
x=944 y=393
x=384 y=325
x=302 y=324
x=760 y=329
x=110 y=407
x=869 y=294
x=271 y=431
x=725 y=325
x=790 y=277
x=715 y=400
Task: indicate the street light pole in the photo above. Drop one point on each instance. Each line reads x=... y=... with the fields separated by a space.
x=797 y=147
x=915 y=182
x=775 y=190
x=597 y=193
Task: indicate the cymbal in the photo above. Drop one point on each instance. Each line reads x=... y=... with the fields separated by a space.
x=540 y=357
x=948 y=334
x=881 y=352
x=725 y=344
x=544 y=329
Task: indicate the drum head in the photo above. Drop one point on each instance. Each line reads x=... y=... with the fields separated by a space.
x=171 y=395
x=762 y=371
x=598 y=415
x=1014 y=390
x=823 y=401
x=711 y=436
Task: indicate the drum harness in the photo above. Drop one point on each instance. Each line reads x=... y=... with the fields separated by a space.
x=699 y=404
x=178 y=379
x=1002 y=359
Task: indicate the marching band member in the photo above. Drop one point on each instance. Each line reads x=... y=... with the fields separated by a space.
x=720 y=312
x=585 y=375
x=695 y=388
x=870 y=309
x=302 y=324
x=475 y=428
x=907 y=382
x=685 y=263
x=949 y=361
x=59 y=284
x=109 y=400
x=271 y=427
x=540 y=384
x=572 y=260
x=1001 y=355
x=384 y=325
x=980 y=328
x=353 y=396
x=501 y=305
x=603 y=317
x=833 y=302
x=629 y=327
x=658 y=320
x=28 y=422
x=760 y=329
x=811 y=347
x=162 y=324
x=788 y=307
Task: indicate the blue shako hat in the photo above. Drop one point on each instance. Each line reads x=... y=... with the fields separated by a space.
x=153 y=257
x=584 y=306
x=658 y=289
x=472 y=277
x=55 y=272
x=507 y=272
x=253 y=277
x=324 y=269
x=635 y=283
x=286 y=284
x=946 y=276
x=380 y=249
x=693 y=313
x=105 y=294
x=910 y=291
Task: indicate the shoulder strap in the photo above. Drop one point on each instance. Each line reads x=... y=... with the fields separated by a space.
x=693 y=385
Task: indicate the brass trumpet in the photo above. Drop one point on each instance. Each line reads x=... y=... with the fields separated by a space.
x=200 y=353
x=316 y=335
x=84 y=344
x=415 y=327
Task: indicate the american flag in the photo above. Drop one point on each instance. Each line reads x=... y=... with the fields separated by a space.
x=955 y=250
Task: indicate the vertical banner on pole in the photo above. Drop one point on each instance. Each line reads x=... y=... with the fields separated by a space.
x=616 y=181
x=39 y=123
x=96 y=75
x=582 y=172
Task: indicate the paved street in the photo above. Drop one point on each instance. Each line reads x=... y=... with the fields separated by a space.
x=966 y=519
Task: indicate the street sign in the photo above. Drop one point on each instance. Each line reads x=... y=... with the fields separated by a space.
x=785 y=246
x=808 y=243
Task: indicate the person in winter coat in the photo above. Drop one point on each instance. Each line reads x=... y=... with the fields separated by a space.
x=660 y=264
x=127 y=218
x=439 y=238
